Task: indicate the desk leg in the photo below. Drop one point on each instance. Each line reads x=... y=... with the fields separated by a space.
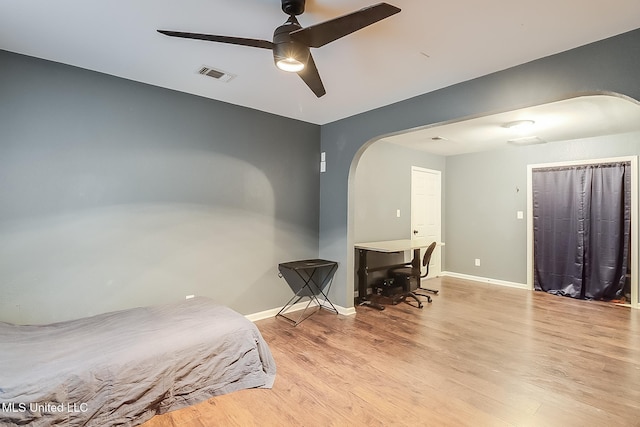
x=363 y=275
x=415 y=265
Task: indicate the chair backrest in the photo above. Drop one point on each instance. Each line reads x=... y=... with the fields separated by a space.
x=427 y=256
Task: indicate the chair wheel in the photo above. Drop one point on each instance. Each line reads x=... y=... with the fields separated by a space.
x=428 y=299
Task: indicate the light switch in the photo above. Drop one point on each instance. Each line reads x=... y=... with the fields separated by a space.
x=520 y=215
x=398 y=213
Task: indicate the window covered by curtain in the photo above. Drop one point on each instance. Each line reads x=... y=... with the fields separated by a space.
x=581 y=229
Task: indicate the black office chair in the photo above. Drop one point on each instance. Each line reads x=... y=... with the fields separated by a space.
x=404 y=273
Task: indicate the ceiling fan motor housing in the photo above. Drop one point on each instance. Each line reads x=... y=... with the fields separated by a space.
x=285 y=47
x=293 y=7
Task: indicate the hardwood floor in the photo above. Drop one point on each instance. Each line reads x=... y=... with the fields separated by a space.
x=479 y=355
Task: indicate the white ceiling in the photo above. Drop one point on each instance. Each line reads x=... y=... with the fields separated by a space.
x=427 y=46
x=574 y=118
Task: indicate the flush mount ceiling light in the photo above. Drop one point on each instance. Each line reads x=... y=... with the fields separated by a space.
x=527 y=140
x=519 y=125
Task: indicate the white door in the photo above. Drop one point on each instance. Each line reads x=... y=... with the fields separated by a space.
x=426 y=211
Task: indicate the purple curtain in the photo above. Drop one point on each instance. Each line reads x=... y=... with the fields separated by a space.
x=581 y=229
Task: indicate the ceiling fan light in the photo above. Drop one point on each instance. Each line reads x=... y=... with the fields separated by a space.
x=290 y=64
x=290 y=56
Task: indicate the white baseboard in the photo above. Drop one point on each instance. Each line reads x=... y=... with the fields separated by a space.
x=349 y=311
x=346 y=311
x=485 y=280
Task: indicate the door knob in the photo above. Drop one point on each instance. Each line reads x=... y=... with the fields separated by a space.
x=415 y=231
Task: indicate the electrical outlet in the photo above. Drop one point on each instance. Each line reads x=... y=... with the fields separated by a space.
x=477 y=262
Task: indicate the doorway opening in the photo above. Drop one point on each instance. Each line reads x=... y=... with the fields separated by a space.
x=579 y=117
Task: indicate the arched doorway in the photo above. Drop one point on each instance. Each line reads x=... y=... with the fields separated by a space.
x=477 y=156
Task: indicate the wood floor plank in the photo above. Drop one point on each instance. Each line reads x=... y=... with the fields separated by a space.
x=479 y=355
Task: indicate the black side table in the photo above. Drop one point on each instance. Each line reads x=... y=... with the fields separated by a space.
x=308 y=279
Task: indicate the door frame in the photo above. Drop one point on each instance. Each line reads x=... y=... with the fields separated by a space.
x=635 y=291
x=437 y=253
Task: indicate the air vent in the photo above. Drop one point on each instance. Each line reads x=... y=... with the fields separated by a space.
x=219 y=75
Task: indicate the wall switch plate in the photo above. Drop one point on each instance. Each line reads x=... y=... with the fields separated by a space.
x=477 y=262
x=189 y=296
x=397 y=213
x=519 y=215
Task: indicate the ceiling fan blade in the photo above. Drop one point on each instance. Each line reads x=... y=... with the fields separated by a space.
x=311 y=77
x=320 y=34
x=264 y=44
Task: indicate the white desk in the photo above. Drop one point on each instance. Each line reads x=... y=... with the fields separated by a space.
x=386 y=246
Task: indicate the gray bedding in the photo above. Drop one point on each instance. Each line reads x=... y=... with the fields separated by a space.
x=124 y=367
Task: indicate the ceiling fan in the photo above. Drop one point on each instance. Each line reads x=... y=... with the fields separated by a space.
x=291 y=42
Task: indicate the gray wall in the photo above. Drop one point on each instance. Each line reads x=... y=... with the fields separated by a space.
x=485 y=190
x=609 y=65
x=481 y=194
x=116 y=194
x=382 y=184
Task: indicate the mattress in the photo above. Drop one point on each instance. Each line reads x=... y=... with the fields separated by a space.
x=124 y=367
